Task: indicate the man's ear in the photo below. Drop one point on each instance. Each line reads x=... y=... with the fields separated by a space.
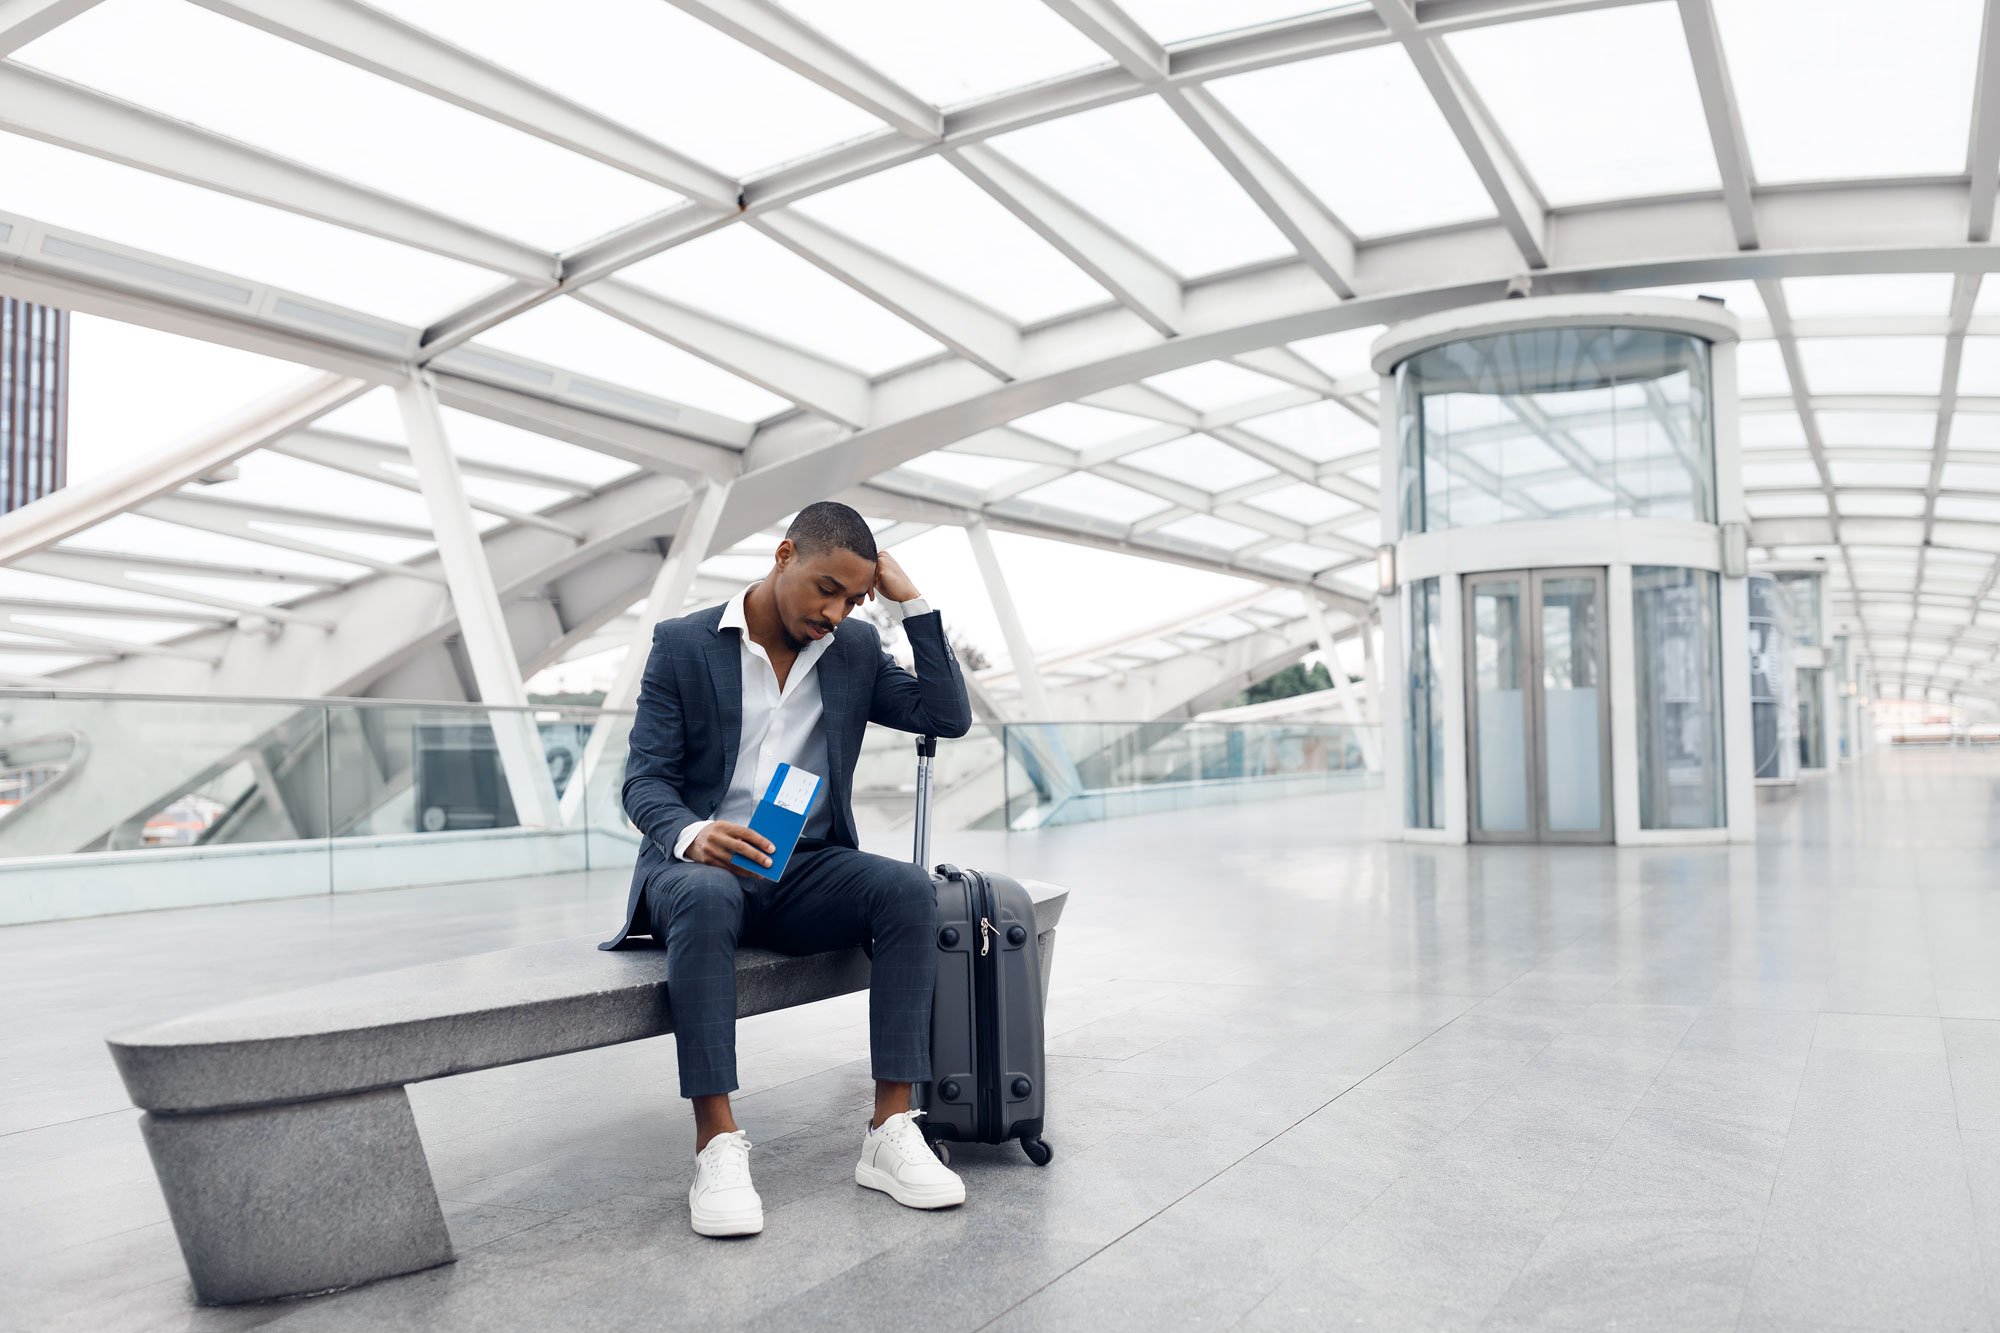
x=785 y=552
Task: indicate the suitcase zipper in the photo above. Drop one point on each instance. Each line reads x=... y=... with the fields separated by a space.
x=986 y=974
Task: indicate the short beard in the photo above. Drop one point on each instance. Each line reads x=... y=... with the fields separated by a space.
x=793 y=642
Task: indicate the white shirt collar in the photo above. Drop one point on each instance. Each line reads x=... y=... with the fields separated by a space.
x=733 y=617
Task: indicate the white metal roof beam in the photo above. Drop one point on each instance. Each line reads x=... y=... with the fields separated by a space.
x=1773 y=293
x=1140 y=282
x=1982 y=159
x=814 y=383
x=310 y=442
x=975 y=331
x=1282 y=363
x=382 y=45
x=1122 y=39
x=55 y=111
x=43 y=606
x=231 y=518
x=1325 y=245
x=110 y=570
x=74 y=509
x=883 y=501
x=649 y=447
x=1520 y=206
x=343 y=455
x=21 y=21
x=804 y=50
x=1725 y=121
x=1964 y=292
x=98 y=643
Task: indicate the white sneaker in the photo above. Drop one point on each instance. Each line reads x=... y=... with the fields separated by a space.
x=896 y=1160
x=722 y=1201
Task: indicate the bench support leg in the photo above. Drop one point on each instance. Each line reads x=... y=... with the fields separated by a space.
x=1045 y=947
x=305 y=1197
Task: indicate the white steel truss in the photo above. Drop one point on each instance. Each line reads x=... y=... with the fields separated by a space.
x=942 y=438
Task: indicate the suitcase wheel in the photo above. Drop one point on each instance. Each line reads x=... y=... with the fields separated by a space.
x=943 y=1151
x=1039 y=1152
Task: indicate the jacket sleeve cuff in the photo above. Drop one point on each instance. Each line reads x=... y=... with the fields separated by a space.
x=687 y=837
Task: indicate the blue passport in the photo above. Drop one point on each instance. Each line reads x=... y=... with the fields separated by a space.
x=781 y=817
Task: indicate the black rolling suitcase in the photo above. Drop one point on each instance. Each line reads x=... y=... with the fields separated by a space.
x=987 y=1065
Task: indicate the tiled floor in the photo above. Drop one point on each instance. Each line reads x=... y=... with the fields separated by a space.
x=1300 y=1078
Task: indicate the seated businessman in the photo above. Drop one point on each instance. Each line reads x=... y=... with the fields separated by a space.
x=786 y=674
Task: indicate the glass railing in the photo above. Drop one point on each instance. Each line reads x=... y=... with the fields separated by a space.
x=362 y=794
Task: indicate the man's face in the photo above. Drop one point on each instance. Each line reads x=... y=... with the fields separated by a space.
x=815 y=592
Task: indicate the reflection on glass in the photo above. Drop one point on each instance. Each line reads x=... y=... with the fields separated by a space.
x=1812 y=727
x=1572 y=742
x=1423 y=785
x=1499 y=708
x=1675 y=651
x=1773 y=717
x=1072 y=772
x=1802 y=596
x=1556 y=423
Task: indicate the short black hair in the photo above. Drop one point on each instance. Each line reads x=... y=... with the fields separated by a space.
x=830 y=525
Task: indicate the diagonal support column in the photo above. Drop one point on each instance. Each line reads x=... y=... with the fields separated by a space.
x=1371 y=741
x=482 y=626
x=692 y=538
x=1034 y=698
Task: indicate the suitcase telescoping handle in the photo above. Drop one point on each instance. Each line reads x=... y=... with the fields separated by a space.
x=926 y=751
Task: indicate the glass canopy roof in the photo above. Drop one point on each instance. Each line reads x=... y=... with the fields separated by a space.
x=1099 y=272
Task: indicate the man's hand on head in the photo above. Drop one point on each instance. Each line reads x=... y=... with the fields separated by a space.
x=891 y=583
x=714 y=845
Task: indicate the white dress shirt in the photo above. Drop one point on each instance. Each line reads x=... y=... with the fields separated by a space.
x=780 y=726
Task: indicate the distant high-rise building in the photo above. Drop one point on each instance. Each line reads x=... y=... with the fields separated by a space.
x=34 y=401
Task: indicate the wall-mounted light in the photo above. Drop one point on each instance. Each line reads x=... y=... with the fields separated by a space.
x=1385 y=570
x=1735 y=550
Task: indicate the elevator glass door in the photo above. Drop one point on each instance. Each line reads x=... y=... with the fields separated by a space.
x=1538 y=706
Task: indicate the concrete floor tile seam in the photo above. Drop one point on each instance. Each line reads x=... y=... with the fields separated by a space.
x=1989 y=1273
x=1577 y=1188
x=1001 y=1315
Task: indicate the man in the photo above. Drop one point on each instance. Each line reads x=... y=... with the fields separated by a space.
x=783 y=675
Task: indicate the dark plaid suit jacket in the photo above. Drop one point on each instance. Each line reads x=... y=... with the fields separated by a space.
x=690 y=717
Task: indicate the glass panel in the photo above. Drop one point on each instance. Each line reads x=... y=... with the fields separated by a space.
x=949 y=54
x=1557 y=423
x=1324 y=119
x=1572 y=684
x=1802 y=596
x=1676 y=650
x=1645 y=134
x=1873 y=365
x=744 y=276
x=1213 y=385
x=1423 y=768
x=663 y=72
x=1139 y=168
x=933 y=218
x=91 y=775
x=1829 y=92
x=1773 y=743
x=1500 y=720
x=1073 y=772
x=1812 y=727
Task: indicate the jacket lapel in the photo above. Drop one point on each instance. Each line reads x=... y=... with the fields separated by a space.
x=833 y=703
x=725 y=675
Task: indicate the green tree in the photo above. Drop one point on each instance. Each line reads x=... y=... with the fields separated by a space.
x=1294 y=679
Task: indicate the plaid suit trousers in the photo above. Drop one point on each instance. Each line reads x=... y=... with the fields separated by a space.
x=831 y=897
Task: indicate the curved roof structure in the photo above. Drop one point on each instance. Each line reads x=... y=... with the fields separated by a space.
x=1087 y=269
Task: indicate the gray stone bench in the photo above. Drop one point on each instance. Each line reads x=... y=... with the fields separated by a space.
x=283 y=1138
